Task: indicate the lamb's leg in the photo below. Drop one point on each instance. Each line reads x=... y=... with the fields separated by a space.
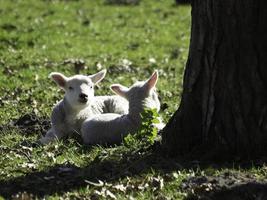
x=51 y=136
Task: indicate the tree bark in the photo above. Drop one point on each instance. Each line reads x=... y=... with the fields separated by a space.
x=224 y=102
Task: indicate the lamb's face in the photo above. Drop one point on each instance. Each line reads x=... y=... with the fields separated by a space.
x=79 y=89
x=152 y=101
x=143 y=92
x=140 y=92
x=137 y=92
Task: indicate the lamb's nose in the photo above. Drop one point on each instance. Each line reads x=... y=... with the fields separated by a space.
x=83 y=96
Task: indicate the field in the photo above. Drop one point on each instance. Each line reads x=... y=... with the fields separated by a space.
x=78 y=36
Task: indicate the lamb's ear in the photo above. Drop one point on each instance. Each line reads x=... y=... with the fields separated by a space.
x=152 y=81
x=96 y=78
x=59 y=78
x=119 y=89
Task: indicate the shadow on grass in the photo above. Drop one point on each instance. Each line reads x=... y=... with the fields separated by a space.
x=63 y=178
x=248 y=191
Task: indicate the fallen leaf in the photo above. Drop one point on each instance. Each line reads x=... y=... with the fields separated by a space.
x=120 y=187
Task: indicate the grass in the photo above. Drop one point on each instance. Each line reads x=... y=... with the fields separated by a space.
x=41 y=36
x=37 y=37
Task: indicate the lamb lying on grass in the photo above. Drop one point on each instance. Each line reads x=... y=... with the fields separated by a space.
x=78 y=104
x=111 y=128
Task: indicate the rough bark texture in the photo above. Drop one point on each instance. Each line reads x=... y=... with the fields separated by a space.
x=224 y=100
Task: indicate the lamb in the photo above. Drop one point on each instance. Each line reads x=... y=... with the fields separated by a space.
x=111 y=128
x=79 y=104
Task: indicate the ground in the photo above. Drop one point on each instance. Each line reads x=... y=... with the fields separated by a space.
x=129 y=40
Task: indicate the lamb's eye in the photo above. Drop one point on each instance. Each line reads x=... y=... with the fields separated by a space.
x=89 y=85
x=70 y=88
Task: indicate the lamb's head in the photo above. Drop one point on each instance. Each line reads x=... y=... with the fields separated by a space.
x=79 y=89
x=142 y=92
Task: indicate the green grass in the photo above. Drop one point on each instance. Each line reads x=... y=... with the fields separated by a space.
x=36 y=38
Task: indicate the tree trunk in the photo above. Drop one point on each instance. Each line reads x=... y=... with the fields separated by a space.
x=224 y=102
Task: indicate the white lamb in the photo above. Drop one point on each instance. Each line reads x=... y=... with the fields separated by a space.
x=79 y=103
x=111 y=128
